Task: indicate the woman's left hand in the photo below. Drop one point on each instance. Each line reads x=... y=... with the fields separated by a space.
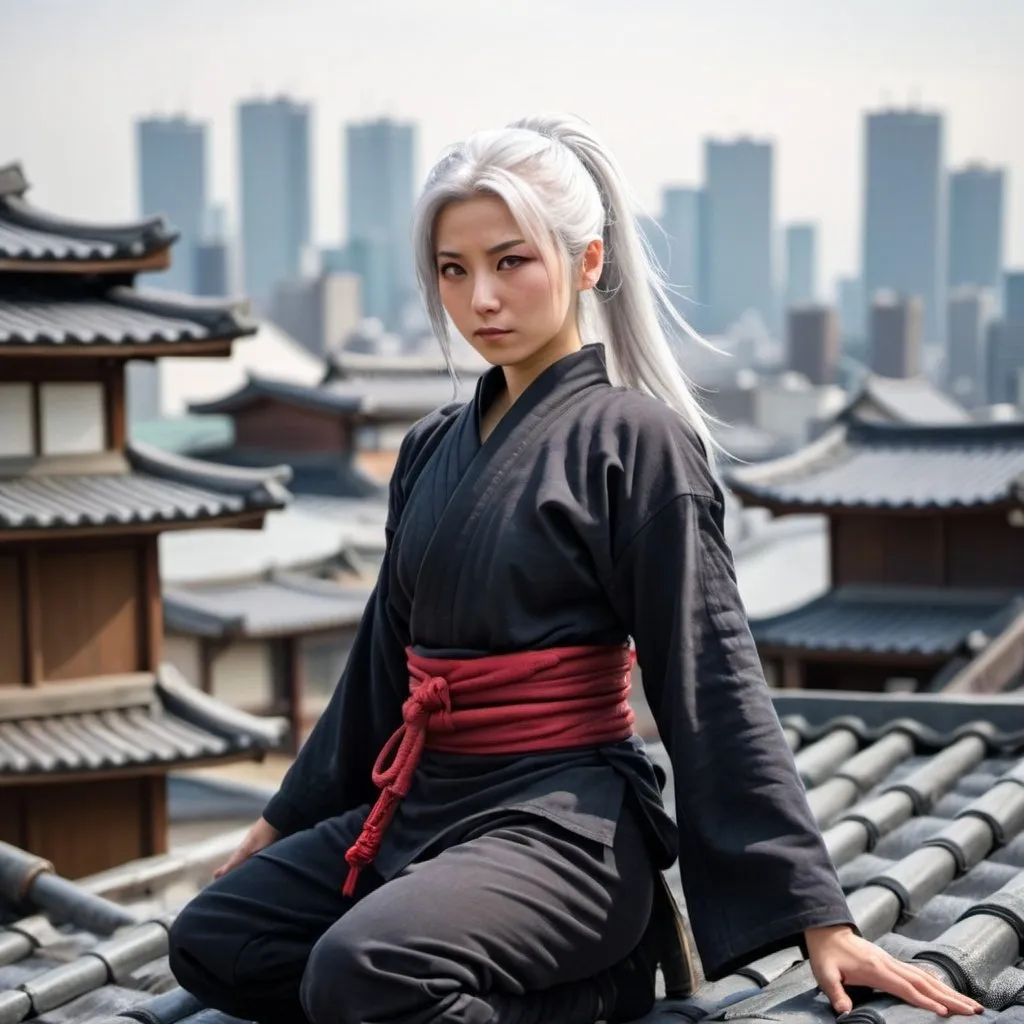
x=840 y=957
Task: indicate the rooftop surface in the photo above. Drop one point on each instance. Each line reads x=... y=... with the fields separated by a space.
x=883 y=465
x=933 y=621
x=276 y=606
x=147 y=486
x=921 y=803
x=29 y=234
x=903 y=400
x=39 y=316
x=136 y=722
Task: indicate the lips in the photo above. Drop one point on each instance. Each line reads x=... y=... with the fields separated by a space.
x=491 y=332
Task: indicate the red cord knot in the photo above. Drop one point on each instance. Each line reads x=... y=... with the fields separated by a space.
x=430 y=703
x=552 y=699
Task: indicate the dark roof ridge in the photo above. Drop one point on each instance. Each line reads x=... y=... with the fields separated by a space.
x=258 y=386
x=201 y=710
x=268 y=483
x=810 y=713
x=862 y=433
x=925 y=738
x=134 y=238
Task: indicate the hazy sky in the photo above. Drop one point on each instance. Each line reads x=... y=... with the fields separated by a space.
x=655 y=76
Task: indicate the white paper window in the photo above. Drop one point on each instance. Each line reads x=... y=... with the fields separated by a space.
x=72 y=415
x=16 y=420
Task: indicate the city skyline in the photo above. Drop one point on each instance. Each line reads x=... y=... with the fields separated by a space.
x=808 y=78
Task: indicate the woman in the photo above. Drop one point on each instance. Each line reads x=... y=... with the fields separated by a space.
x=507 y=868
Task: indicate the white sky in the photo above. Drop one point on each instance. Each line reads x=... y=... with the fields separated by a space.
x=655 y=76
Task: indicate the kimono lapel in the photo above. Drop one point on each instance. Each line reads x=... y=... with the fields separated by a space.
x=464 y=474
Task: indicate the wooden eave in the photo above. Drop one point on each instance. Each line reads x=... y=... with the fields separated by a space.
x=252 y=520
x=160 y=259
x=214 y=347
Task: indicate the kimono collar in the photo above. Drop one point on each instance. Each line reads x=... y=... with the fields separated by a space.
x=574 y=371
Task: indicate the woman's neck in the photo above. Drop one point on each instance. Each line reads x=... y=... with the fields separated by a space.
x=519 y=376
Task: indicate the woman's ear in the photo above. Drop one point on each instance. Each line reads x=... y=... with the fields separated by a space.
x=591 y=265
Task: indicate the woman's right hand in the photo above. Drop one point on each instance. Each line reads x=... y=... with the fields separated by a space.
x=261 y=835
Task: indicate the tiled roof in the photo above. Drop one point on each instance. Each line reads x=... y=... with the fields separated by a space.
x=372 y=397
x=927 y=831
x=308 y=534
x=279 y=605
x=28 y=234
x=149 y=486
x=925 y=827
x=910 y=400
x=153 y=722
x=881 y=465
x=888 y=620
x=77 y=318
x=330 y=474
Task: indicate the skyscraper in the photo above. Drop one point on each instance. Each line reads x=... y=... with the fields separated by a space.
x=1013 y=296
x=801 y=264
x=172 y=175
x=896 y=334
x=904 y=211
x=1005 y=360
x=275 y=192
x=976 y=227
x=682 y=222
x=813 y=342
x=380 y=158
x=739 y=231
x=970 y=310
x=852 y=309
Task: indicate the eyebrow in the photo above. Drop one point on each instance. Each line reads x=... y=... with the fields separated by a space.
x=500 y=247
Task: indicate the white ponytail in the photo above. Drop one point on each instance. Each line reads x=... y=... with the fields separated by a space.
x=564 y=189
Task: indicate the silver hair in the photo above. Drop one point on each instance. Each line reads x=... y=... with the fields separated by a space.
x=564 y=188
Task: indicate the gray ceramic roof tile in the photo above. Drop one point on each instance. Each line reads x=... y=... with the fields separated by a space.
x=28 y=233
x=279 y=605
x=72 y=317
x=926 y=829
x=861 y=465
x=898 y=620
x=912 y=400
x=177 y=726
x=152 y=487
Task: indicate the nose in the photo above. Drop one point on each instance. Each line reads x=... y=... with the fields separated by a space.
x=485 y=295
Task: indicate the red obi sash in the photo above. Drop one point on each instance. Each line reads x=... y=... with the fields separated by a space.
x=524 y=703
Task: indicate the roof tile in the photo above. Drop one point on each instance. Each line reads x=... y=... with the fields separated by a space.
x=906 y=620
x=930 y=849
x=879 y=465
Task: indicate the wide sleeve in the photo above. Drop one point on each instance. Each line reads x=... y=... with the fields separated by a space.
x=332 y=772
x=755 y=869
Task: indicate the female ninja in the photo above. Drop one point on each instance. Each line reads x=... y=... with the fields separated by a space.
x=473 y=833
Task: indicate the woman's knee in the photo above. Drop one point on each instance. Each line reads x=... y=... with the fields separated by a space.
x=189 y=952
x=334 y=980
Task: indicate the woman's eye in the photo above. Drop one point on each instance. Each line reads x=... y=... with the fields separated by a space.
x=450 y=270
x=509 y=262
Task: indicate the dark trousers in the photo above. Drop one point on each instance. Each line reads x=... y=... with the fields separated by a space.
x=511 y=921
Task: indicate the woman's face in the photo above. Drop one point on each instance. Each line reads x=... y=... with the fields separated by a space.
x=496 y=288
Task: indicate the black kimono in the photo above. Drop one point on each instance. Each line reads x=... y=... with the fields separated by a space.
x=587 y=517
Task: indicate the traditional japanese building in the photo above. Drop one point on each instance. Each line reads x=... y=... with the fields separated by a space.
x=902 y=400
x=926 y=531
x=270 y=646
x=342 y=435
x=91 y=720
